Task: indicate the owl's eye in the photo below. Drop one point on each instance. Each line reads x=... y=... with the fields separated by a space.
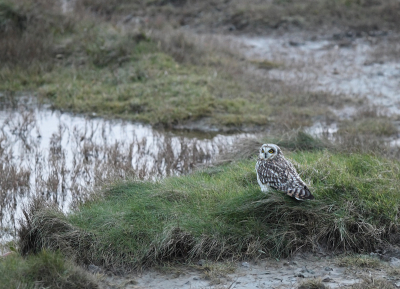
x=271 y=151
x=262 y=151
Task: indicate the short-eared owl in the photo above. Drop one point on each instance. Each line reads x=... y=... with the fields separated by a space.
x=274 y=171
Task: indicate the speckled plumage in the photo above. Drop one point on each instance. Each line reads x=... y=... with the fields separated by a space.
x=274 y=171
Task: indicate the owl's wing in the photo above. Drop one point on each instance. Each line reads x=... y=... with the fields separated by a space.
x=300 y=192
x=273 y=175
x=283 y=177
x=298 y=188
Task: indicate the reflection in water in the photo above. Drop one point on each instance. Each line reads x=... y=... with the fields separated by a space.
x=62 y=156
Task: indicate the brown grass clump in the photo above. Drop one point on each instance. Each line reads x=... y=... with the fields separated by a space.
x=379 y=127
x=312 y=284
x=363 y=261
x=371 y=283
x=293 y=141
x=45 y=227
x=266 y=64
x=214 y=271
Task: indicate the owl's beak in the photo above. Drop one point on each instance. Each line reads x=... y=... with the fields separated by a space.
x=265 y=155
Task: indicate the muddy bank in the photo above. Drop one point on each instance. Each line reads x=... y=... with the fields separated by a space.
x=288 y=273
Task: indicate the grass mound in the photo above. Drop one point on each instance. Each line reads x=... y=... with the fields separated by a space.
x=221 y=213
x=373 y=284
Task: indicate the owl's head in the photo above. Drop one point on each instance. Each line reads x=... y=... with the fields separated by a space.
x=269 y=151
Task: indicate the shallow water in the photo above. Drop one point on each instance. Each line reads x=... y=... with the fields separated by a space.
x=62 y=157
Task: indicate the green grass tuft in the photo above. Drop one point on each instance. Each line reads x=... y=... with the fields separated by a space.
x=43 y=270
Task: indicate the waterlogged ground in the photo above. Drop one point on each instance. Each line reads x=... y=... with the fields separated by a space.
x=63 y=157
x=360 y=66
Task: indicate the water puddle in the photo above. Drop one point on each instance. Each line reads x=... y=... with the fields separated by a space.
x=62 y=157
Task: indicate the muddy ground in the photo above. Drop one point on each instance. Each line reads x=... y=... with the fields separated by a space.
x=286 y=273
x=361 y=67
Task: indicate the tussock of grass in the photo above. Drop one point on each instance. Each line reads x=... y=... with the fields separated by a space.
x=44 y=270
x=363 y=261
x=379 y=127
x=312 y=284
x=371 y=283
x=368 y=122
x=219 y=214
x=214 y=271
x=45 y=226
x=292 y=141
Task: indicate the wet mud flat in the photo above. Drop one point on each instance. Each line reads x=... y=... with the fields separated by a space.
x=364 y=67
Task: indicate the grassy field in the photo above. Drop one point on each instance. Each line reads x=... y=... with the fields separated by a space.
x=149 y=71
x=93 y=67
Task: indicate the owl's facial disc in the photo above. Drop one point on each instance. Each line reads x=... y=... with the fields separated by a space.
x=268 y=151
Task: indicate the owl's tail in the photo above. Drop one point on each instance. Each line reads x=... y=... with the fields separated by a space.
x=301 y=193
